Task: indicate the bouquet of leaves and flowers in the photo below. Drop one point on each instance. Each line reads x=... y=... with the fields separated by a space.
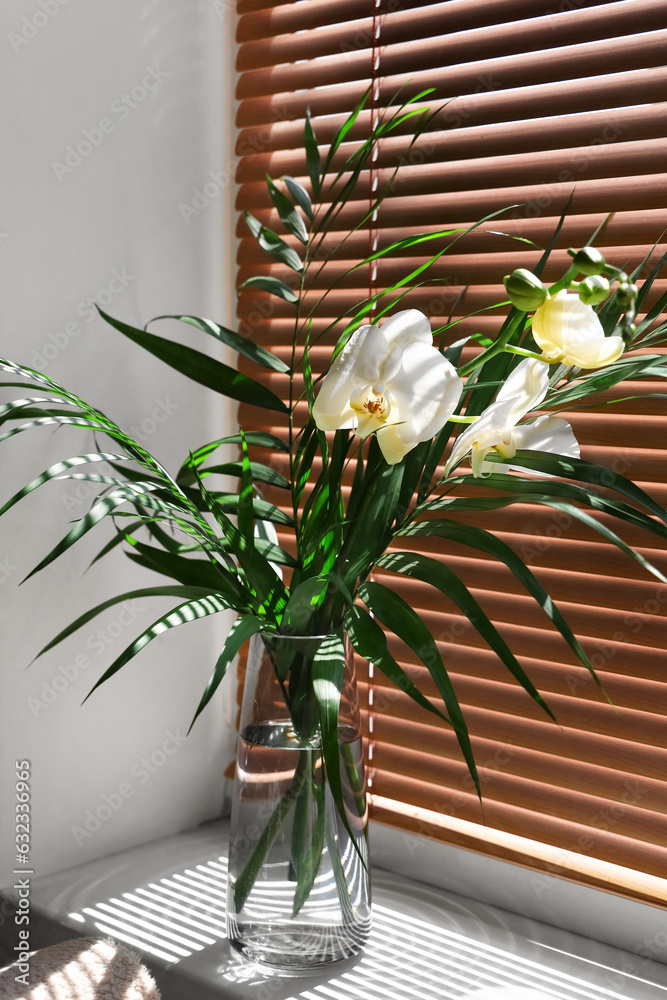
x=399 y=433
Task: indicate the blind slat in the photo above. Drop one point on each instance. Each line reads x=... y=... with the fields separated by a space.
x=551 y=109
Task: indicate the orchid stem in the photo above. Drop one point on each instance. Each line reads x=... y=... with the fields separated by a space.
x=525 y=354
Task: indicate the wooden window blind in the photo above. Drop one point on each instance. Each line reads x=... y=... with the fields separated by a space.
x=547 y=101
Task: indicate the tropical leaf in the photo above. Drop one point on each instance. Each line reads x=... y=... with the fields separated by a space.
x=397 y=615
x=105 y=506
x=300 y=195
x=485 y=541
x=239 y=343
x=272 y=244
x=201 y=368
x=188 y=611
x=289 y=217
x=312 y=156
x=328 y=675
x=274 y=286
x=57 y=470
x=189 y=572
x=587 y=472
x=370 y=642
x=188 y=592
x=242 y=629
x=260 y=473
x=440 y=576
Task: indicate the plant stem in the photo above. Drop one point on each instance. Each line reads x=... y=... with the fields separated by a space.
x=248 y=876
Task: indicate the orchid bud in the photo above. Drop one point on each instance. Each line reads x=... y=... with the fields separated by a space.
x=588 y=260
x=594 y=290
x=626 y=294
x=525 y=290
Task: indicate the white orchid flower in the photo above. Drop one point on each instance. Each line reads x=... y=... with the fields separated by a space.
x=496 y=429
x=569 y=331
x=390 y=380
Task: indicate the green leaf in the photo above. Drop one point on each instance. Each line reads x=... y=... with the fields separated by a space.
x=328 y=676
x=272 y=285
x=397 y=615
x=188 y=571
x=188 y=592
x=201 y=368
x=440 y=576
x=245 y=510
x=60 y=420
x=308 y=869
x=260 y=439
x=587 y=472
x=267 y=586
x=597 y=381
x=304 y=600
x=229 y=503
x=300 y=195
x=260 y=473
x=289 y=217
x=484 y=541
x=254 y=352
x=272 y=244
x=312 y=155
x=239 y=633
x=186 y=612
x=343 y=131
x=370 y=643
x=57 y=470
x=248 y=877
x=103 y=507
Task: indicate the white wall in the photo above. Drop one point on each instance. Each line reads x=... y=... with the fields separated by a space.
x=113 y=114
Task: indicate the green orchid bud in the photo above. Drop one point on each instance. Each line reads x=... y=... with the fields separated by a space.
x=594 y=290
x=626 y=294
x=525 y=290
x=588 y=260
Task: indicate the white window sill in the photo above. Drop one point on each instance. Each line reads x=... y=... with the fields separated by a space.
x=166 y=901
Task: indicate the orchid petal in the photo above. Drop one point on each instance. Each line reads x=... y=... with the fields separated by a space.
x=355 y=367
x=391 y=381
x=484 y=433
x=595 y=353
x=547 y=433
x=527 y=385
x=426 y=388
x=569 y=331
x=400 y=331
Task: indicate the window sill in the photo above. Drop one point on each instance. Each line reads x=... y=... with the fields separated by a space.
x=166 y=901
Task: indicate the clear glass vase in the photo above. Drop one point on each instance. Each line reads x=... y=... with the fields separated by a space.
x=298 y=894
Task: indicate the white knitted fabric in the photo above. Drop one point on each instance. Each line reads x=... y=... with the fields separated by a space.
x=84 y=969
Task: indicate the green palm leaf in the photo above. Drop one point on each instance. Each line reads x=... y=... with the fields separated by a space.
x=189 y=611
x=201 y=368
x=435 y=573
x=484 y=541
x=242 y=629
x=397 y=615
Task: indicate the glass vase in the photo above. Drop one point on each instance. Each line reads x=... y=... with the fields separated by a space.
x=298 y=893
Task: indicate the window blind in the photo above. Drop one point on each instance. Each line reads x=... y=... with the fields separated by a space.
x=542 y=104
